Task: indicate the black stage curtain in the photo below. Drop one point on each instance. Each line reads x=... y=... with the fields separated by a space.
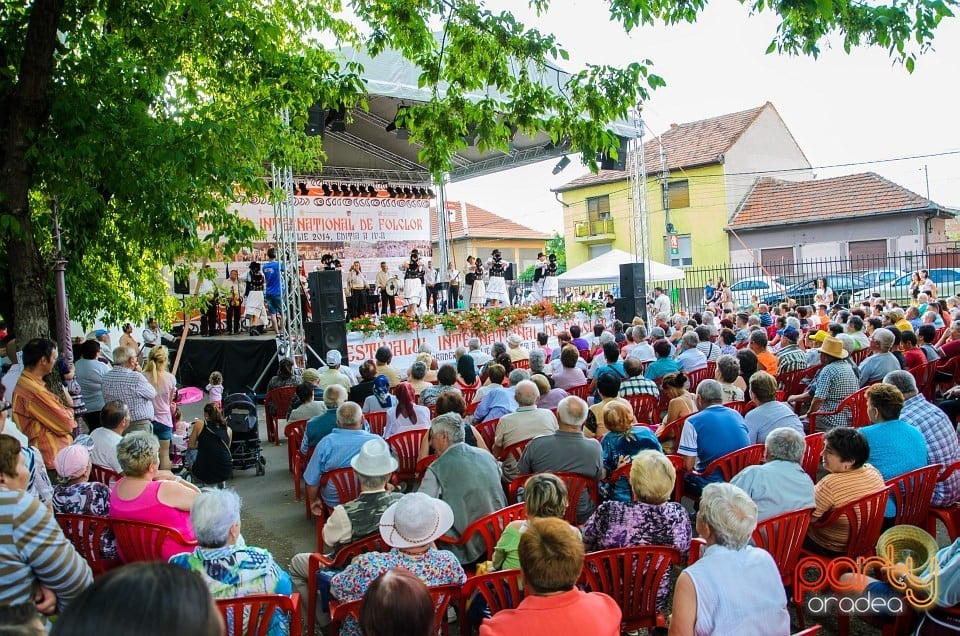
x=241 y=360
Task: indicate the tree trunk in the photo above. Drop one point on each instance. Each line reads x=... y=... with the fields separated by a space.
x=27 y=111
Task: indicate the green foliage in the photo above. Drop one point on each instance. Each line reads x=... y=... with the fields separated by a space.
x=160 y=113
x=557 y=245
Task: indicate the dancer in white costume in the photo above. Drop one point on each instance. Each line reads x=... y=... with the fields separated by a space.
x=539 y=277
x=496 y=286
x=413 y=283
x=551 y=285
x=478 y=295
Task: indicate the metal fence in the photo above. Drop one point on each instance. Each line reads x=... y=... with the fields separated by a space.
x=876 y=270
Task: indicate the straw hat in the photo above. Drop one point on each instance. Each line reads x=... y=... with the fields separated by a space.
x=908 y=541
x=833 y=348
x=374 y=459
x=415 y=520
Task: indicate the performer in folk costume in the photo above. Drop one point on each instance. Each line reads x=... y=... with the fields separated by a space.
x=496 y=286
x=454 y=281
x=413 y=283
x=469 y=277
x=551 y=285
x=539 y=276
x=357 y=284
x=255 y=309
x=478 y=295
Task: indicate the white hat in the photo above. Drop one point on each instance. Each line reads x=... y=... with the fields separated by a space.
x=334 y=357
x=415 y=520
x=514 y=340
x=374 y=459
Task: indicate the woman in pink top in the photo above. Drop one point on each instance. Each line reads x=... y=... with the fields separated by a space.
x=166 y=385
x=145 y=494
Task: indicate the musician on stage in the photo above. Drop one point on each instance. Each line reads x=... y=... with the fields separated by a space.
x=470 y=275
x=496 y=286
x=478 y=292
x=430 y=283
x=327 y=261
x=539 y=274
x=208 y=293
x=388 y=304
x=234 y=302
x=413 y=283
x=357 y=284
x=551 y=285
x=452 y=281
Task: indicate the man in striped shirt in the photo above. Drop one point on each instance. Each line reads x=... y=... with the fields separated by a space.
x=37 y=563
x=40 y=414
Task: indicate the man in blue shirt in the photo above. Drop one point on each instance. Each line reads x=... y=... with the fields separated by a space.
x=273 y=291
x=335 y=451
x=664 y=364
x=710 y=434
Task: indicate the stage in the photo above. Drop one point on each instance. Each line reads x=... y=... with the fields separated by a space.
x=241 y=359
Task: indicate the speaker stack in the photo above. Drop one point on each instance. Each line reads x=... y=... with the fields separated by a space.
x=633 y=293
x=328 y=330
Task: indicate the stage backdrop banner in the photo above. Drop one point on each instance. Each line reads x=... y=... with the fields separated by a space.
x=406 y=345
x=365 y=229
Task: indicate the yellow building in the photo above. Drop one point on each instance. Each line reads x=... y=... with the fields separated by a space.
x=477 y=232
x=712 y=163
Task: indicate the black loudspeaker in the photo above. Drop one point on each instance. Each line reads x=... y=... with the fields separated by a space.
x=632 y=281
x=316 y=120
x=625 y=309
x=326 y=295
x=181 y=284
x=323 y=337
x=607 y=162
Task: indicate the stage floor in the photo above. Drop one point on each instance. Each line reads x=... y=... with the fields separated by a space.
x=241 y=359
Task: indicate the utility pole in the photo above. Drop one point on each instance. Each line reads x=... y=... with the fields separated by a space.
x=60 y=281
x=926 y=176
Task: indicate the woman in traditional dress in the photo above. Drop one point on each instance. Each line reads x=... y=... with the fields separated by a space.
x=413 y=283
x=551 y=284
x=478 y=295
x=254 y=293
x=496 y=286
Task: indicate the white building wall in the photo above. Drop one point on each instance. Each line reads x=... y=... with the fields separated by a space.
x=766 y=147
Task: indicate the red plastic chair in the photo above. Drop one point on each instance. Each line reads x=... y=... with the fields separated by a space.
x=423 y=465
x=730 y=464
x=256 y=611
x=631 y=577
x=293 y=429
x=582 y=391
x=947 y=373
x=926 y=377
x=811 y=454
x=343 y=557
x=741 y=406
x=377 y=422
x=860 y=355
x=782 y=536
x=442 y=595
x=278 y=400
x=104 y=475
x=576 y=486
x=672 y=430
x=514 y=450
x=142 y=541
x=694 y=378
x=645 y=408
x=948 y=515
x=501 y=590
x=855 y=404
x=864 y=519
x=792 y=382
x=469 y=394
x=471 y=408
x=521 y=364
x=912 y=492
x=344 y=481
x=489 y=528
x=586 y=355
x=406 y=445
x=87 y=533
x=488 y=431
x=810 y=631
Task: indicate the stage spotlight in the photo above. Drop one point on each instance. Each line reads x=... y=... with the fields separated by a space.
x=371 y=191
x=471 y=137
x=431 y=193
x=408 y=193
x=336 y=189
x=326 y=190
x=303 y=188
x=391 y=191
x=354 y=190
x=563 y=163
x=270 y=184
x=338 y=121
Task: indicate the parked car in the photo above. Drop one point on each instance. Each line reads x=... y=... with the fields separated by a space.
x=843 y=286
x=876 y=277
x=946 y=279
x=745 y=289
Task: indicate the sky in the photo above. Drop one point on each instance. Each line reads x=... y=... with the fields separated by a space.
x=841 y=108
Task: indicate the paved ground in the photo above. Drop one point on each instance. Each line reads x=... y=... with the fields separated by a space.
x=272 y=519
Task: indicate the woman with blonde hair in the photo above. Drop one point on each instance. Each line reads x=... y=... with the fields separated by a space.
x=623 y=441
x=165 y=384
x=544 y=496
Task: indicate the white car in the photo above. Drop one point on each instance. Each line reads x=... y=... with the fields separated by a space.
x=947 y=281
x=744 y=290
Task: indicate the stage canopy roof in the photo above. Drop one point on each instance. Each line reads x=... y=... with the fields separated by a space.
x=366 y=151
x=605 y=270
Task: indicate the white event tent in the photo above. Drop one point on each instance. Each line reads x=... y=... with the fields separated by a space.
x=605 y=270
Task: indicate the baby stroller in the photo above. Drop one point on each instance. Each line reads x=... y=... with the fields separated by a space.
x=241 y=414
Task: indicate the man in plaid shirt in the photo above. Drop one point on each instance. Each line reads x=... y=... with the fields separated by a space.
x=937 y=431
x=791 y=357
x=125 y=383
x=636 y=384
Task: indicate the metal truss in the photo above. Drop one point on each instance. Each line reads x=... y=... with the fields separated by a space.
x=502 y=162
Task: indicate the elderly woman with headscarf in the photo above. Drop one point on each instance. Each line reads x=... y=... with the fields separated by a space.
x=408 y=415
x=381 y=400
x=143 y=495
x=76 y=495
x=734 y=588
x=646 y=518
x=229 y=567
x=410 y=527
